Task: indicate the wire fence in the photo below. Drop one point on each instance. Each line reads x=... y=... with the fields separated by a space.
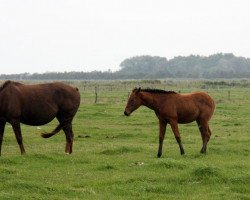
x=118 y=91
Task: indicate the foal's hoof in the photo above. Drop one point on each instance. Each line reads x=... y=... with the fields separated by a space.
x=202 y=151
x=159 y=155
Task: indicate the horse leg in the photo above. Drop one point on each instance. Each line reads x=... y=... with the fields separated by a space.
x=209 y=131
x=175 y=129
x=66 y=124
x=69 y=138
x=205 y=134
x=162 y=128
x=202 y=135
x=2 y=125
x=17 y=130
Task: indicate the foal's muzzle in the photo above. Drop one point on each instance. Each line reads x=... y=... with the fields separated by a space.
x=125 y=113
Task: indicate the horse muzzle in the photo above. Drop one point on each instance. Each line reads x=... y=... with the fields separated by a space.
x=125 y=113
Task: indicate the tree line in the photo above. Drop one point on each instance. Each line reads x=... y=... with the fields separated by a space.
x=154 y=67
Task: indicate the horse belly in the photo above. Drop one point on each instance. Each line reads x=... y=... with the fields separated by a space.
x=187 y=116
x=36 y=121
x=37 y=117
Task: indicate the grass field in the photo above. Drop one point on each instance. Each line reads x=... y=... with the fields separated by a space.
x=114 y=157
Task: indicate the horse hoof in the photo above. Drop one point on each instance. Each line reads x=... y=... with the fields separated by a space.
x=203 y=152
x=159 y=155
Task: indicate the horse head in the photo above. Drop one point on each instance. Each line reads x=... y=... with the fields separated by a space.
x=134 y=101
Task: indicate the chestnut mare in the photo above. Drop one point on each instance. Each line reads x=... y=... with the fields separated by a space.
x=174 y=108
x=37 y=105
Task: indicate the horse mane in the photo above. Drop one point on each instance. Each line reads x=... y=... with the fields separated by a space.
x=5 y=84
x=156 y=91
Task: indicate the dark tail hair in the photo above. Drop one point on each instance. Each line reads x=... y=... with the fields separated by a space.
x=55 y=131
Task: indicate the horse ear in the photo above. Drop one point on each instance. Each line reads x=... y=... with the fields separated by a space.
x=137 y=89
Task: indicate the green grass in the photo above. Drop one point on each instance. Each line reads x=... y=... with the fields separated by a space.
x=114 y=157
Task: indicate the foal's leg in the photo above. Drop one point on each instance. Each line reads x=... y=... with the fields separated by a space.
x=205 y=134
x=162 y=131
x=209 y=131
x=17 y=130
x=202 y=134
x=175 y=129
x=2 y=125
x=69 y=138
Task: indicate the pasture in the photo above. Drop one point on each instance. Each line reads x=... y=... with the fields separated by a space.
x=115 y=157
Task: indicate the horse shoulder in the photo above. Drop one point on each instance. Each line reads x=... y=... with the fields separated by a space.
x=11 y=100
x=167 y=108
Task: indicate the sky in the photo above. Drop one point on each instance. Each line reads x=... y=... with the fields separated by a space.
x=38 y=36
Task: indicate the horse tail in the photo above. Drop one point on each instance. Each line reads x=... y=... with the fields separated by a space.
x=55 y=131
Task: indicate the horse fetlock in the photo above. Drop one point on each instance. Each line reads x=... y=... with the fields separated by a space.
x=203 y=151
x=23 y=153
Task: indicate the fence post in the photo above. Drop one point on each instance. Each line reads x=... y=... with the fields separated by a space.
x=95 y=94
x=228 y=94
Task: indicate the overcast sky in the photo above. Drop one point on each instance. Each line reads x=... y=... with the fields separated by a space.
x=86 y=35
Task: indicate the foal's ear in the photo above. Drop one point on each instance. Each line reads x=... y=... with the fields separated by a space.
x=136 y=90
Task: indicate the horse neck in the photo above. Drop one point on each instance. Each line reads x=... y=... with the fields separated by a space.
x=148 y=100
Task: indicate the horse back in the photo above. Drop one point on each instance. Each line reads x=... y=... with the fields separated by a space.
x=38 y=104
x=56 y=93
x=189 y=107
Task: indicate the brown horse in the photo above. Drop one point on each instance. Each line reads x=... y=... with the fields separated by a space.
x=174 y=108
x=37 y=105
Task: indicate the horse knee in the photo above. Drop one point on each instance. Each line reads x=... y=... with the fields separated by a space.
x=69 y=137
x=19 y=138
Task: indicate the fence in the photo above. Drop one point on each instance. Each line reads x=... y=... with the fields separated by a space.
x=119 y=93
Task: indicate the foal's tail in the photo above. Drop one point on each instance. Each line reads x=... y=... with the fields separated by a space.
x=55 y=131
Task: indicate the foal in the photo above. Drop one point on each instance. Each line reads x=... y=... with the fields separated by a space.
x=173 y=108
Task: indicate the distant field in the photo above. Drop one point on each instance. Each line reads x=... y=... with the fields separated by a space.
x=114 y=157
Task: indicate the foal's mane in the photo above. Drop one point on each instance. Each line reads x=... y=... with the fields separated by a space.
x=157 y=91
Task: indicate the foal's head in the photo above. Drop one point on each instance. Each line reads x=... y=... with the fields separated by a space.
x=134 y=102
